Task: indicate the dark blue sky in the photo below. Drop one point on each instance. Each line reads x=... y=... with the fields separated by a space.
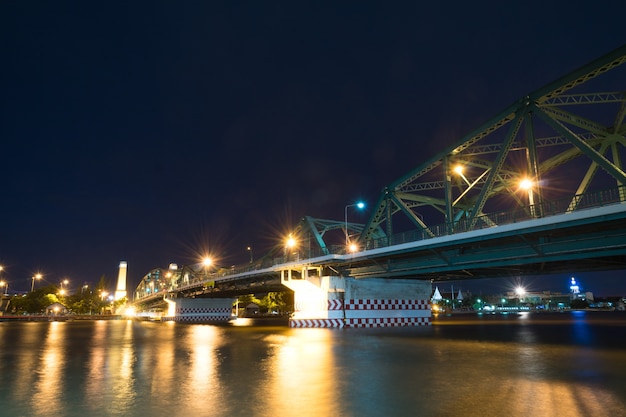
x=150 y=131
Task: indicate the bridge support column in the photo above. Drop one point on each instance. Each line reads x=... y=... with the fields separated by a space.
x=199 y=310
x=331 y=301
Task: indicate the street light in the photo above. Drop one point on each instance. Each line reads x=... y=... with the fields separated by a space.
x=520 y=292
x=459 y=170
x=32 y=286
x=527 y=185
x=3 y=283
x=249 y=249
x=63 y=284
x=360 y=206
x=207 y=262
x=290 y=245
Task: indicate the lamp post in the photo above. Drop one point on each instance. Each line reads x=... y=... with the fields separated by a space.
x=4 y=283
x=207 y=262
x=527 y=185
x=63 y=284
x=520 y=292
x=32 y=286
x=290 y=245
x=359 y=205
x=249 y=249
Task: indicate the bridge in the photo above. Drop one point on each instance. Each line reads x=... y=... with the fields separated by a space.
x=537 y=189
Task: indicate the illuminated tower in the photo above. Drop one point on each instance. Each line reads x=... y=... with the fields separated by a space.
x=120 y=292
x=574 y=288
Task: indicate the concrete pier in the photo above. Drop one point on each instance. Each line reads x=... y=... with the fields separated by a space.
x=199 y=310
x=332 y=301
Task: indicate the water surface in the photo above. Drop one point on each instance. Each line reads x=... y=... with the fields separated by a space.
x=568 y=364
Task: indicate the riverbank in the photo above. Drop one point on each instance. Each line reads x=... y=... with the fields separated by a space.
x=43 y=317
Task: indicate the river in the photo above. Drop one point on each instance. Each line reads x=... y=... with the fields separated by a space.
x=540 y=364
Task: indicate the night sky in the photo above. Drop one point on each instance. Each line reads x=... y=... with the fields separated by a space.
x=153 y=132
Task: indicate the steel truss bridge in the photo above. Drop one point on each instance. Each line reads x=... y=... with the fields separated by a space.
x=538 y=189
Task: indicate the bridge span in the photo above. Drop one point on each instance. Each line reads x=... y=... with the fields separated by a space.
x=537 y=189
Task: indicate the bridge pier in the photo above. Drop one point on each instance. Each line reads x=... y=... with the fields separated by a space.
x=333 y=301
x=199 y=310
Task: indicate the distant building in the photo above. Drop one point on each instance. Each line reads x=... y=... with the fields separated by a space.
x=55 y=309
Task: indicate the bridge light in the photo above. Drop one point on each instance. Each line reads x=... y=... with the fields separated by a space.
x=360 y=205
x=353 y=248
x=291 y=242
x=207 y=261
x=526 y=184
x=459 y=170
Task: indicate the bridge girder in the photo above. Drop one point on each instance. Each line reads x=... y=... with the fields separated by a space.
x=533 y=250
x=544 y=142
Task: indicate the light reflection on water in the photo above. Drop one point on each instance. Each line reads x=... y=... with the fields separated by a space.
x=46 y=389
x=570 y=365
x=302 y=376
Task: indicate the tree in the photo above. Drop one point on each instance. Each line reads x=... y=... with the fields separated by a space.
x=280 y=302
x=35 y=301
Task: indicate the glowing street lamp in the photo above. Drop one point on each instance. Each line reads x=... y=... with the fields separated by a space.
x=32 y=286
x=459 y=170
x=360 y=205
x=290 y=245
x=527 y=184
x=249 y=249
x=207 y=262
x=291 y=242
x=520 y=292
x=4 y=283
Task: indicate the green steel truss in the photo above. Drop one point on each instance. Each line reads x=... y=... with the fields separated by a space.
x=564 y=144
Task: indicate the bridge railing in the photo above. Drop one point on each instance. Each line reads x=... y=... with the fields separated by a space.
x=544 y=209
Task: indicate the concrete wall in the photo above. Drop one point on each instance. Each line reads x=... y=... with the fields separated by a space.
x=199 y=310
x=332 y=301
